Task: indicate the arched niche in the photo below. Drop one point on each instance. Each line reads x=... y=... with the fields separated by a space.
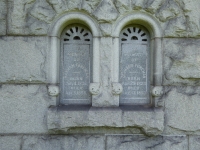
x=54 y=34
x=155 y=50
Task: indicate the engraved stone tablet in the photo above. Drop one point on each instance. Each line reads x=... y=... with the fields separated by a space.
x=134 y=71
x=75 y=66
x=76 y=74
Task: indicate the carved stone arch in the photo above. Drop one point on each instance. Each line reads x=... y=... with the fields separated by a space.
x=156 y=53
x=54 y=44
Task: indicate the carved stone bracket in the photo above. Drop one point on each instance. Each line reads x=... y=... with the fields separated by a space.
x=53 y=90
x=117 y=88
x=94 y=88
x=157 y=91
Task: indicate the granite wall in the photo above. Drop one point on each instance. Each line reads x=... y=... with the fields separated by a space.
x=24 y=69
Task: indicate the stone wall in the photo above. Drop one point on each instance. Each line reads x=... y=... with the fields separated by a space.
x=24 y=78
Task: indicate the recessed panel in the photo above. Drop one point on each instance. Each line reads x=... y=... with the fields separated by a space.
x=76 y=73
x=134 y=73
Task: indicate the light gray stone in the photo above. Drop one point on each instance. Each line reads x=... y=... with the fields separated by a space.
x=106 y=29
x=186 y=20
x=150 y=121
x=29 y=17
x=130 y=142
x=194 y=142
x=182 y=61
x=106 y=11
x=168 y=11
x=138 y=4
x=10 y=142
x=59 y=6
x=155 y=5
x=3 y=12
x=91 y=5
x=42 y=11
x=123 y=6
x=64 y=119
x=182 y=110
x=75 y=4
x=23 y=59
x=105 y=98
x=191 y=11
x=76 y=142
x=23 y=109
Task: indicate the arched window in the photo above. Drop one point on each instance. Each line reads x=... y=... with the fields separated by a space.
x=134 y=61
x=76 y=65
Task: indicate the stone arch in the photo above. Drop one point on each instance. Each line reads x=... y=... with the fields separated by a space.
x=54 y=34
x=156 y=53
x=143 y=19
x=70 y=18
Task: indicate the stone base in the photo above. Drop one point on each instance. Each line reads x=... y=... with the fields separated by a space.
x=62 y=119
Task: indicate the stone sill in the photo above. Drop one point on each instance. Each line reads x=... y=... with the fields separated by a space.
x=63 y=118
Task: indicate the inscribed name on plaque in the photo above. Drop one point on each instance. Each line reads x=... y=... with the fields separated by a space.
x=76 y=75
x=134 y=74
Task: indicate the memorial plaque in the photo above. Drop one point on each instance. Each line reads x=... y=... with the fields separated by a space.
x=134 y=73
x=76 y=75
x=75 y=66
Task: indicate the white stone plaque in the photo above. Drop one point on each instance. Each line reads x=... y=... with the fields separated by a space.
x=134 y=73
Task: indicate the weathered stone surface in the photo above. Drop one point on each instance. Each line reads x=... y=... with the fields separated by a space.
x=10 y=142
x=58 y=5
x=194 y=142
x=106 y=29
x=91 y=5
x=29 y=17
x=182 y=61
x=186 y=20
x=76 y=142
x=3 y=12
x=23 y=109
x=149 y=121
x=182 y=109
x=75 y=4
x=123 y=6
x=126 y=142
x=105 y=97
x=42 y=11
x=106 y=11
x=137 y=4
x=144 y=120
x=23 y=59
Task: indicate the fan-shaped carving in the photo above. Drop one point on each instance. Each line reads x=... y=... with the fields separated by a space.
x=131 y=34
x=77 y=34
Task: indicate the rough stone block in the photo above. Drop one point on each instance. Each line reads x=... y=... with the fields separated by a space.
x=10 y=142
x=23 y=109
x=58 y=6
x=76 y=142
x=182 y=110
x=105 y=98
x=184 y=18
x=194 y=142
x=90 y=6
x=3 y=12
x=23 y=59
x=138 y=142
x=181 y=61
x=145 y=121
x=123 y=6
x=65 y=118
x=29 y=17
x=106 y=11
